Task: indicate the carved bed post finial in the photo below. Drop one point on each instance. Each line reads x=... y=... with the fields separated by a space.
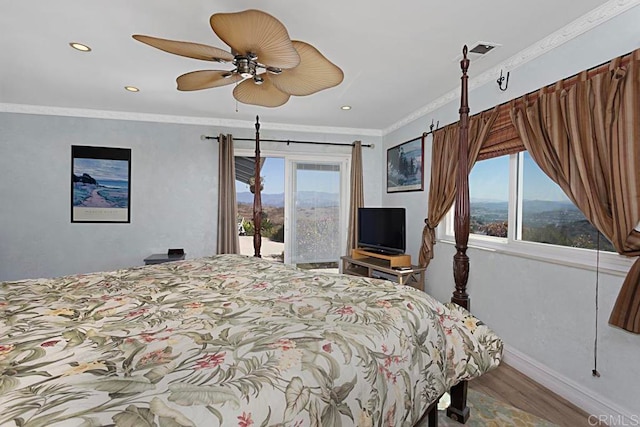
x=257 y=200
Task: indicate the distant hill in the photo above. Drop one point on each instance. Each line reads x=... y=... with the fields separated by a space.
x=530 y=206
x=276 y=200
x=489 y=205
x=537 y=206
x=305 y=199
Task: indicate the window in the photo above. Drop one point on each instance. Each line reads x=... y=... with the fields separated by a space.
x=489 y=197
x=548 y=216
x=515 y=208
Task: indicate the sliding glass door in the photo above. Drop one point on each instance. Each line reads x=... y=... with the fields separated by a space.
x=305 y=202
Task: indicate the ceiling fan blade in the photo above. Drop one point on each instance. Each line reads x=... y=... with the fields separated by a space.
x=265 y=95
x=315 y=73
x=188 y=49
x=253 y=31
x=205 y=79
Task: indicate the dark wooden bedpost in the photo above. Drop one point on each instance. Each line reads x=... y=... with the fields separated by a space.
x=257 y=200
x=458 y=409
x=461 y=221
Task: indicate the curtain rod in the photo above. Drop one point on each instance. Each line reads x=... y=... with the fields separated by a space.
x=623 y=58
x=288 y=141
x=431 y=130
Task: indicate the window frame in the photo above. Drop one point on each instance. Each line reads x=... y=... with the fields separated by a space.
x=588 y=259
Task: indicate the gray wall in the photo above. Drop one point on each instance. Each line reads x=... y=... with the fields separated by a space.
x=543 y=310
x=174 y=189
x=173 y=195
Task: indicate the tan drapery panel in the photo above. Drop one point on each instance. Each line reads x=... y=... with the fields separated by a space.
x=357 y=195
x=228 y=241
x=444 y=166
x=586 y=138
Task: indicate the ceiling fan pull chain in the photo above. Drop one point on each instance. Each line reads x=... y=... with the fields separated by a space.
x=236 y=99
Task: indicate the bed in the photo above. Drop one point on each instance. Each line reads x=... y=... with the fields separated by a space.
x=230 y=340
x=236 y=340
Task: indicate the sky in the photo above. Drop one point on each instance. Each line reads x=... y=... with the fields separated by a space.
x=102 y=169
x=309 y=180
x=489 y=180
x=272 y=174
x=537 y=185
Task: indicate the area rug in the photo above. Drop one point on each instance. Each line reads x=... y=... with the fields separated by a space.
x=489 y=412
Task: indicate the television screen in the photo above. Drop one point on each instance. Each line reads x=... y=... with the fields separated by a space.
x=382 y=229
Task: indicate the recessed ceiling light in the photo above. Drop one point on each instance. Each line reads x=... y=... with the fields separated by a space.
x=346 y=107
x=132 y=89
x=81 y=47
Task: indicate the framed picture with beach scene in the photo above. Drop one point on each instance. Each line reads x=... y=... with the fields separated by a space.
x=404 y=166
x=100 y=184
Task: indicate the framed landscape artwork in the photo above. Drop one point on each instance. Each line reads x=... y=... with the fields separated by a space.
x=100 y=184
x=404 y=166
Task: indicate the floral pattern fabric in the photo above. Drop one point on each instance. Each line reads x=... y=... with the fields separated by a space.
x=229 y=340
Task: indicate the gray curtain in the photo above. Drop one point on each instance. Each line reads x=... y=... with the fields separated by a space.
x=357 y=196
x=228 y=242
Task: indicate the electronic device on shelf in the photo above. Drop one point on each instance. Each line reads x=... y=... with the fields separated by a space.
x=382 y=230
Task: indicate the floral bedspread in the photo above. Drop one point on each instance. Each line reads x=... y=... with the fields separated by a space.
x=229 y=340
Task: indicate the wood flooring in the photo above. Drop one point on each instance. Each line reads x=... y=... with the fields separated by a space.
x=510 y=386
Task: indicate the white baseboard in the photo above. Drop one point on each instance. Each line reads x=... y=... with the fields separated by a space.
x=588 y=401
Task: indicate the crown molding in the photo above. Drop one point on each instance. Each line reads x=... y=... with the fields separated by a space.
x=581 y=25
x=160 y=118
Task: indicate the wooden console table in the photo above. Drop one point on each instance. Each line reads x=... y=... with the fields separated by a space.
x=380 y=266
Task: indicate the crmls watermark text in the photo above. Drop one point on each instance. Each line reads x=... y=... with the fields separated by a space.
x=614 y=420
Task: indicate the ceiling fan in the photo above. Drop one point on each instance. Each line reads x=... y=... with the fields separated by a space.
x=269 y=66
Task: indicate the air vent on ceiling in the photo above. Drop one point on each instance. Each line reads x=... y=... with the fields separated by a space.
x=482 y=48
x=478 y=49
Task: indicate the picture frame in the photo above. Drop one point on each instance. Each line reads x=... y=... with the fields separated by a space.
x=100 y=184
x=405 y=166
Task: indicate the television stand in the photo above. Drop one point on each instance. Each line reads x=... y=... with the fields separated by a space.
x=396 y=268
x=390 y=260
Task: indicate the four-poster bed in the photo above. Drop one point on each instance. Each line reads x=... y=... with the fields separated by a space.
x=235 y=340
x=458 y=409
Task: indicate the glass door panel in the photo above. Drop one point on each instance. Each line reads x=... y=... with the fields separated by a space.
x=272 y=170
x=316 y=218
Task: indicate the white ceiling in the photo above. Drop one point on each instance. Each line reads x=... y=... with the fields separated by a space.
x=397 y=57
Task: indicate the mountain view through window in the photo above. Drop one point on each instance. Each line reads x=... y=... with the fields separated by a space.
x=546 y=214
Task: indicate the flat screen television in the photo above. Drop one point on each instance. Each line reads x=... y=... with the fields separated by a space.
x=382 y=230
